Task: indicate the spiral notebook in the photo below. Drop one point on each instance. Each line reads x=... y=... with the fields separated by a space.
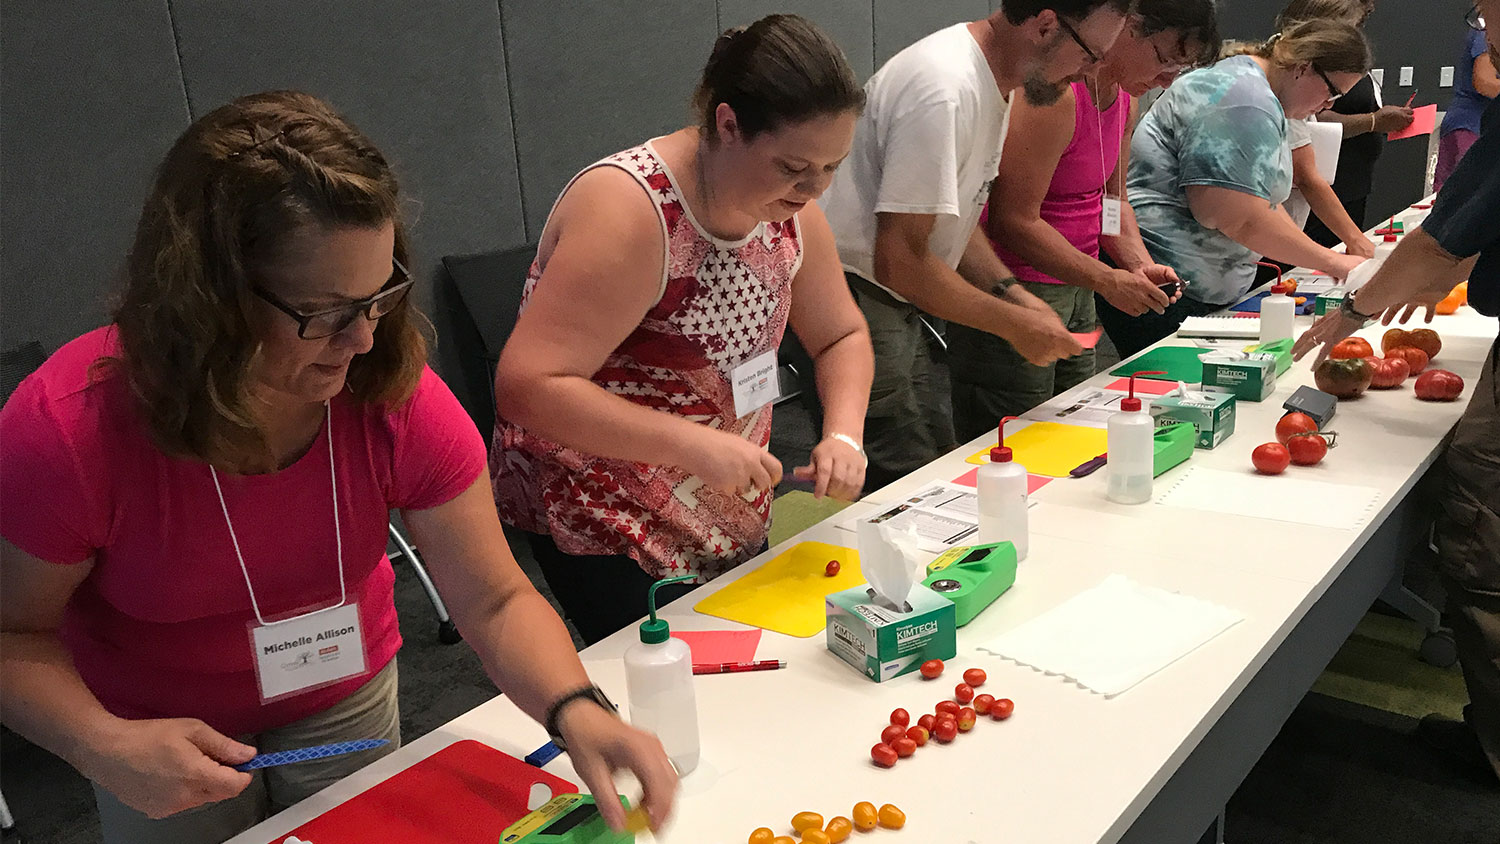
x=1231 y=326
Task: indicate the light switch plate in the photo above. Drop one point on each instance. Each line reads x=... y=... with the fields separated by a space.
x=1445 y=76
x=1379 y=75
x=1406 y=75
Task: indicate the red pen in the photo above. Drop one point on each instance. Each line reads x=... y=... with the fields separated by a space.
x=1411 y=99
x=737 y=667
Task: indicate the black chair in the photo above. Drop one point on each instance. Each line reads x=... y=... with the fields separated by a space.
x=487 y=289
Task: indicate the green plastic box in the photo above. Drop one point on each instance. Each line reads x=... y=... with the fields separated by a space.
x=1174 y=444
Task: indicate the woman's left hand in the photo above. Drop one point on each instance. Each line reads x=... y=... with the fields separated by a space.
x=599 y=743
x=836 y=468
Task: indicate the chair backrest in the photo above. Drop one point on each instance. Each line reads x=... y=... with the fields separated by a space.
x=18 y=362
x=489 y=287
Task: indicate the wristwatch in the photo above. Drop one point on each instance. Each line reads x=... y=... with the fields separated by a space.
x=1347 y=308
x=554 y=712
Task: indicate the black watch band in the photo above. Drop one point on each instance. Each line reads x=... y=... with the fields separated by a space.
x=554 y=712
x=1348 y=309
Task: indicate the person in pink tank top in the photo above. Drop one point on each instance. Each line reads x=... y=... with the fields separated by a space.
x=194 y=500
x=1063 y=168
x=634 y=395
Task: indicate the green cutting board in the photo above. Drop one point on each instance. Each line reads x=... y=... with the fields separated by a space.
x=1181 y=363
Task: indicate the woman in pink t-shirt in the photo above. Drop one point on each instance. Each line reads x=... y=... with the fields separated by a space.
x=194 y=499
x=1063 y=164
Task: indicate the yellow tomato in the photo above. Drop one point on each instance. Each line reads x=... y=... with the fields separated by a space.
x=839 y=830
x=865 y=816
x=803 y=821
x=814 y=836
x=891 y=817
x=762 y=836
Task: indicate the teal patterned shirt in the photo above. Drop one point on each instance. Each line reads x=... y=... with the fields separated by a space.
x=1221 y=127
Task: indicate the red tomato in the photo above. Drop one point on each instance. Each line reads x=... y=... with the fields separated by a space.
x=1345 y=378
x=1271 y=458
x=900 y=717
x=884 y=755
x=932 y=668
x=1390 y=372
x=891 y=733
x=963 y=693
x=1294 y=423
x=982 y=704
x=946 y=730
x=1439 y=385
x=926 y=722
x=1002 y=709
x=1422 y=338
x=918 y=735
x=975 y=677
x=1353 y=347
x=832 y=569
x=904 y=746
x=1307 y=449
x=947 y=707
x=1416 y=359
x=966 y=719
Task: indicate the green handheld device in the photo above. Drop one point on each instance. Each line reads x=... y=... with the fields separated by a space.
x=565 y=819
x=1174 y=443
x=973 y=577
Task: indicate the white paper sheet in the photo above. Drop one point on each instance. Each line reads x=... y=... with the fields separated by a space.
x=1246 y=493
x=1091 y=408
x=942 y=515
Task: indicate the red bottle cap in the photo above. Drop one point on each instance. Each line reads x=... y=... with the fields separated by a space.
x=1001 y=453
x=1131 y=404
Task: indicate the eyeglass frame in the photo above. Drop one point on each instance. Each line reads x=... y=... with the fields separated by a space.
x=354 y=309
x=1475 y=19
x=1333 y=92
x=1094 y=58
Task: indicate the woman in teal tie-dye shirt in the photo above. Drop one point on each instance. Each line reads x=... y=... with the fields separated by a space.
x=1210 y=168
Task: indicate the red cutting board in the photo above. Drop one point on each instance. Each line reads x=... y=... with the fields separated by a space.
x=466 y=792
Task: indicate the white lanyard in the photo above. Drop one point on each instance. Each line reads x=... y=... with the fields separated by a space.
x=1099 y=124
x=337 y=535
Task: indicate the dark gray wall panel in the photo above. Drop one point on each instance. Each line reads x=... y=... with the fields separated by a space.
x=426 y=81
x=90 y=104
x=900 y=22
x=588 y=79
x=850 y=22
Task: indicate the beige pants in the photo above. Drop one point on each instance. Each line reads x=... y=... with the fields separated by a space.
x=371 y=712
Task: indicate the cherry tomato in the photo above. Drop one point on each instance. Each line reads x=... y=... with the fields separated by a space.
x=926 y=722
x=946 y=730
x=891 y=733
x=948 y=707
x=918 y=734
x=1002 y=709
x=865 y=816
x=982 y=704
x=839 y=830
x=883 y=754
x=904 y=746
x=1294 y=423
x=762 y=836
x=1271 y=458
x=963 y=693
x=1307 y=449
x=966 y=719
x=900 y=717
x=815 y=836
x=783 y=839
x=891 y=817
x=975 y=677
x=932 y=668
x=803 y=821
x=832 y=569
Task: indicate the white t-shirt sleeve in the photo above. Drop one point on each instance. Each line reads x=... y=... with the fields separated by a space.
x=921 y=161
x=1299 y=133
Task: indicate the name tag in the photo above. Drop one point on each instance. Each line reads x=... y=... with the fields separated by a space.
x=308 y=652
x=755 y=384
x=1113 y=210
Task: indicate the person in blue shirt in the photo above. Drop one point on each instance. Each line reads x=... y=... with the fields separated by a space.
x=1460 y=239
x=1475 y=85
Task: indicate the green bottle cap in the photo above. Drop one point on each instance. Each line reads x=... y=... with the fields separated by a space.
x=654 y=630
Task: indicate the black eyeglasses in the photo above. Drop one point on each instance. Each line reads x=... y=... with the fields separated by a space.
x=1333 y=92
x=1078 y=39
x=1474 y=19
x=321 y=324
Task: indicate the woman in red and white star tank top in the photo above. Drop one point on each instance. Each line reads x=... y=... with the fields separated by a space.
x=634 y=395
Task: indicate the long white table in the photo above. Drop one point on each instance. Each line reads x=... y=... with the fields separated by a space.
x=1155 y=764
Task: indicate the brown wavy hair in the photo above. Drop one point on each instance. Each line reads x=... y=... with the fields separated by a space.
x=229 y=197
x=1333 y=46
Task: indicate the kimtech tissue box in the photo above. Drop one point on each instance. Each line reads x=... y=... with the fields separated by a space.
x=1248 y=377
x=1211 y=414
x=882 y=643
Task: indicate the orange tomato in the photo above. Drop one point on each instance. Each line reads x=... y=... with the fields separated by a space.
x=891 y=817
x=1456 y=298
x=762 y=836
x=865 y=816
x=815 y=836
x=803 y=821
x=839 y=830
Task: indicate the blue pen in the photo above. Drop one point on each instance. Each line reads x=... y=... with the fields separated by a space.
x=544 y=754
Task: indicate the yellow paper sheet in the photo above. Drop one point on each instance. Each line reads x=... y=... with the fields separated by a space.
x=1051 y=448
x=786 y=593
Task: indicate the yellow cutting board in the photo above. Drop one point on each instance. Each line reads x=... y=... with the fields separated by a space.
x=1051 y=448
x=786 y=593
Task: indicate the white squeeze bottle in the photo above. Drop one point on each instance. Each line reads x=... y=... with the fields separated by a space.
x=1278 y=317
x=1003 y=498
x=659 y=684
x=1132 y=451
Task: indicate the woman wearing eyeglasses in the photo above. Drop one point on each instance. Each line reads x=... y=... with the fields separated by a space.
x=194 y=500
x=1210 y=168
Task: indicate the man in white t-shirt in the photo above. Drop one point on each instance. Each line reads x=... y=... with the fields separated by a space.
x=905 y=206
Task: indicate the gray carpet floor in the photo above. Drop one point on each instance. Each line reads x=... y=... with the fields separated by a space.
x=1337 y=774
